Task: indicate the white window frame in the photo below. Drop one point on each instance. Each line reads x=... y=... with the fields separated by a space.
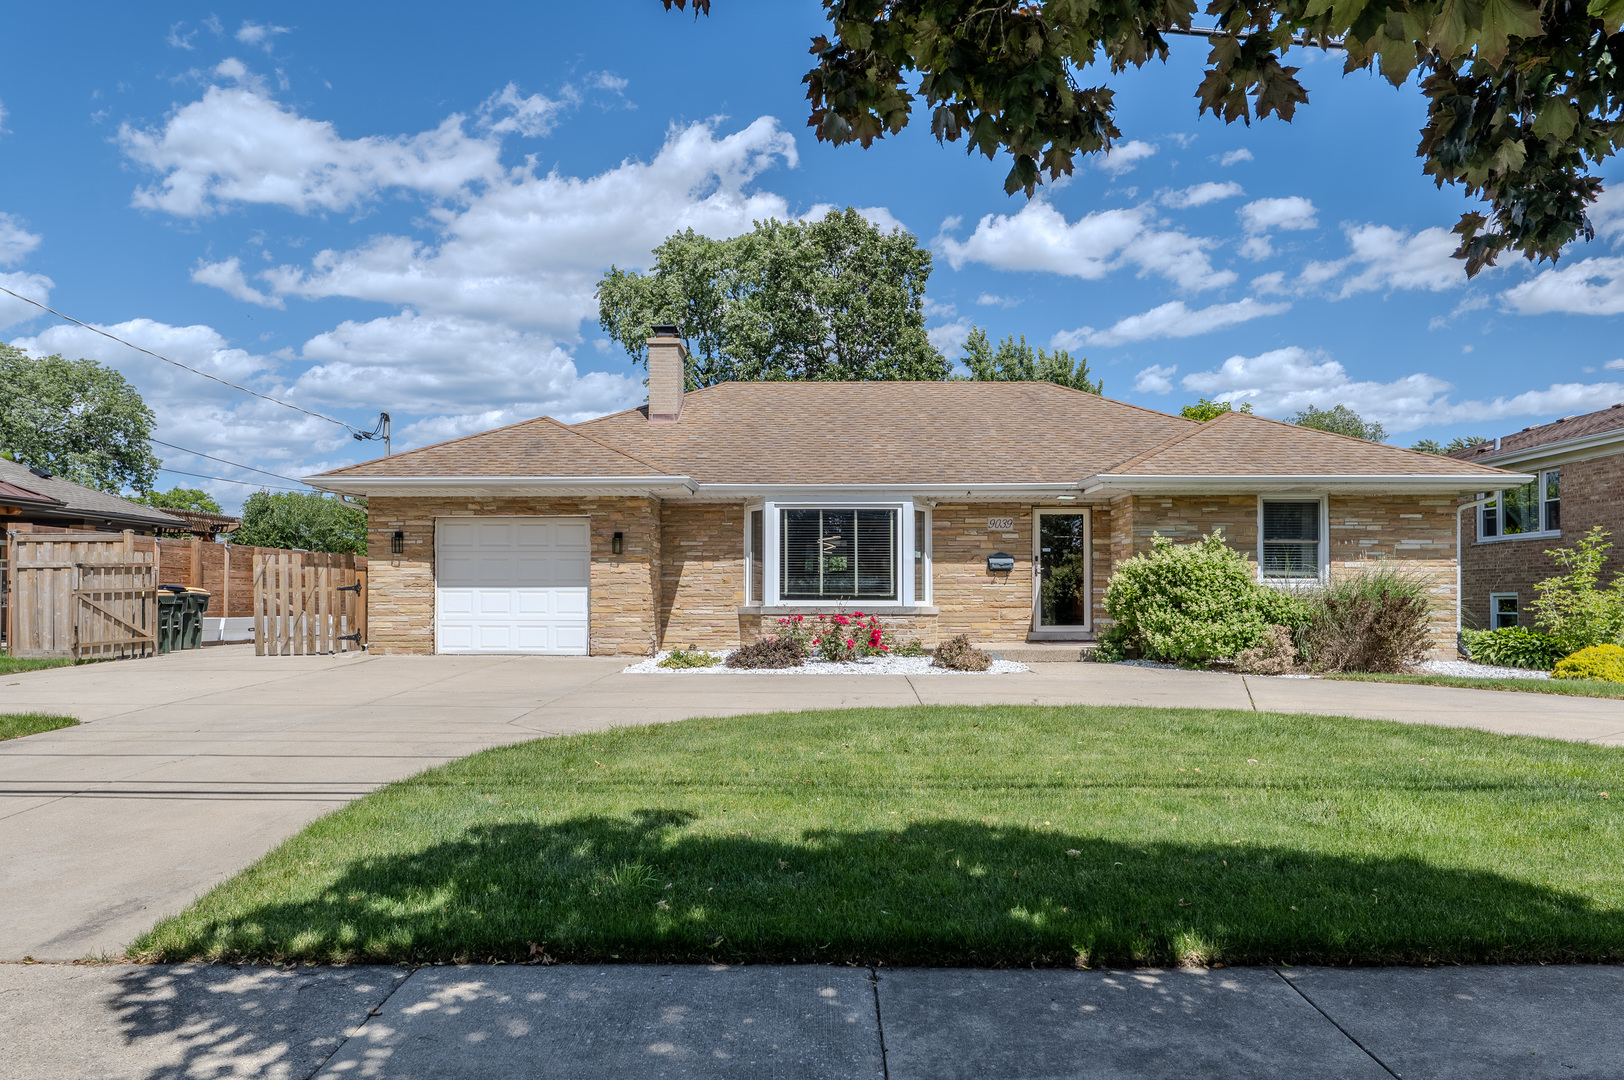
x=1541 y=490
x=749 y=593
x=1324 y=542
x=772 y=542
x=1494 y=614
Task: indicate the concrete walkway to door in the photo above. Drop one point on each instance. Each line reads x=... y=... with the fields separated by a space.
x=190 y=766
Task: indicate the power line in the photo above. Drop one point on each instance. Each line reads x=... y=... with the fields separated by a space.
x=224 y=480
x=112 y=337
x=223 y=461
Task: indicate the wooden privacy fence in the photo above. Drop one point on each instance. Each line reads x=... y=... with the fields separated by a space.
x=308 y=602
x=84 y=595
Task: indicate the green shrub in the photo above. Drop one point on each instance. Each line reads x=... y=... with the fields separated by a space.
x=1375 y=620
x=773 y=652
x=957 y=654
x=1601 y=663
x=1512 y=646
x=691 y=658
x=1572 y=606
x=1192 y=603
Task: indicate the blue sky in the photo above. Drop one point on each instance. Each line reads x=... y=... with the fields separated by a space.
x=364 y=208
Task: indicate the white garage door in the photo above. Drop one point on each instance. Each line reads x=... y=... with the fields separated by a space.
x=511 y=585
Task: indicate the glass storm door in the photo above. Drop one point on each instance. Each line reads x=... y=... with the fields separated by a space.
x=1062 y=585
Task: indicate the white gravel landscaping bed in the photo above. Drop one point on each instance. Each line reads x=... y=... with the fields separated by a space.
x=1467 y=669
x=877 y=665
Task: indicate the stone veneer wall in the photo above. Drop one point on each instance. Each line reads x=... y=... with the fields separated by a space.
x=625 y=588
x=1416 y=532
x=1592 y=494
x=701 y=574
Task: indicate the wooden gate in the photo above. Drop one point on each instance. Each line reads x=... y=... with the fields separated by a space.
x=84 y=595
x=308 y=602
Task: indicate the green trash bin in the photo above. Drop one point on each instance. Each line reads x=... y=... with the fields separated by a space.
x=197 y=605
x=170 y=607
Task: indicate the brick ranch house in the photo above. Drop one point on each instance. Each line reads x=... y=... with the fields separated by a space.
x=1573 y=481
x=991 y=509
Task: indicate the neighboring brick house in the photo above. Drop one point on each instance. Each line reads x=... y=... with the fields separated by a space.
x=1576 y=466
x=991 y=509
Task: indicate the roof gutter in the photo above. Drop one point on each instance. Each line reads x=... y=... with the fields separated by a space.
x=1449 y=483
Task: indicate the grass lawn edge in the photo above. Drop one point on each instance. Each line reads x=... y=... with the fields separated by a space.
x=21 y=725
x=1560 y=687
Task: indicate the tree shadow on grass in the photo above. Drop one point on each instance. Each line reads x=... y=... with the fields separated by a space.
x=944 y=892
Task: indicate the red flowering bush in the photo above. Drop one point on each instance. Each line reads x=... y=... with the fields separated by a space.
x=838 y=638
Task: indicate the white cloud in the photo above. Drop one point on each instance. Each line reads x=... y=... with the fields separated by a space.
x=1270 y=284
x=227 y=276
x=34 y=286
x=1173 y=320
x=1201 y=194
x=506 y=111
x=993 y=300
x=15 y=241
x=1588 y=287
x=878 y=216
x=1038 y=237
x=1383 y=258
x=259 y=35
x=1284 y=381
x=1125 y=157
x=1615 y=365
x=179 y=40
x=1291 y=212
x=1155 y=379
x=1235 y=157
x=1607 y=214
x=238 y=145
x=1257 y=247
x=949 y=338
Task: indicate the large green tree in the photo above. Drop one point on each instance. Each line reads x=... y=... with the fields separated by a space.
x=838 y=298
x=76 y=418
x=1341 y=420
x=307 y=520
x=1459 y=442
x=181 y=498
x=1523 y=98
x=1016 y=361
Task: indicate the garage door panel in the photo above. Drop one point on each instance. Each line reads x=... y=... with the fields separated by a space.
x=513 y=586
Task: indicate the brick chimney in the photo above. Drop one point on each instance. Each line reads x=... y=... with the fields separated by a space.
x=667 y=375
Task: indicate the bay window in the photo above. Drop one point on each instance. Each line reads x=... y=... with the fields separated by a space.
x=1534 y=509
x=853 y=555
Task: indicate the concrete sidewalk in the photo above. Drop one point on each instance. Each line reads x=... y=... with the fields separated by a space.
x=140 y=1023
x=191 y=766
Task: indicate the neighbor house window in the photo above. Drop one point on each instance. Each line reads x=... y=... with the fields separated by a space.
x=834 y=554
x=1292 y=539
x=1533 y=509
x=1502 y=610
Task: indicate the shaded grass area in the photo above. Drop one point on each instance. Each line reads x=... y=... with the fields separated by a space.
x=1568 y=687
x=16 y=725
x=956 y=835
x=10 y=665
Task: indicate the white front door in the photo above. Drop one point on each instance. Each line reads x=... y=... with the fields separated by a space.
x=511 y=585
x=1062 y=579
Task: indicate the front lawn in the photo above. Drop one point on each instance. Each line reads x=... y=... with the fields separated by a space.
x=951 y=835
x=1569 y=687
x=12 y=664
x=16 y=725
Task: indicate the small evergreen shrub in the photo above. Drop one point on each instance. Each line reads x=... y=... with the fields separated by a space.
x=1191 y=604
x=957 y=654
x=690 y=658
x=1512 y=646
x=1602 y=663
x=1573 y=607
x=772 y=652
x=1276 y=656
x=1376 y=620
x=911 y=647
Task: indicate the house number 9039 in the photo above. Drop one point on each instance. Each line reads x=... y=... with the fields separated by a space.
x=1000 y=524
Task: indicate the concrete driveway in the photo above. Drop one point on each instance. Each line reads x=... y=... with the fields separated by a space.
x=188 y=767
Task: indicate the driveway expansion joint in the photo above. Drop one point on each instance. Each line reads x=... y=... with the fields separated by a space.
x=1332 y=1021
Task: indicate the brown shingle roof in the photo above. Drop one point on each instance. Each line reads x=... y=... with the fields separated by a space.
x=1240 y=444
x=539 y=447
x=1569 y=427
x=889 y=432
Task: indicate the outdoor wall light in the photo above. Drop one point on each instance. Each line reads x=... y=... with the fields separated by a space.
x=397 y=543
x=1000 y=563
x=618 y=544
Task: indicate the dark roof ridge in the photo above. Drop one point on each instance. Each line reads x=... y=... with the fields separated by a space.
x=1166 y=444
x=606 y=445
x=343 y=470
